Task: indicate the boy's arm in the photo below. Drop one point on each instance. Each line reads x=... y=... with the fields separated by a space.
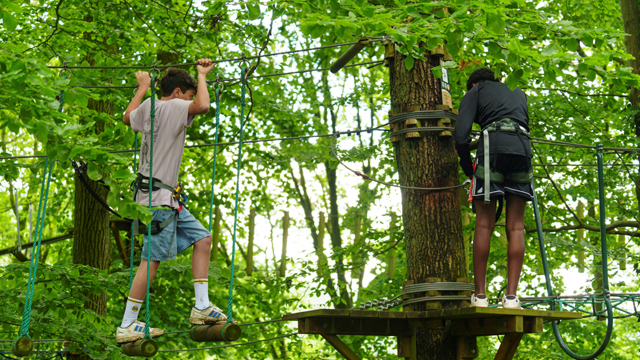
x=144 y=83
x=201 y=103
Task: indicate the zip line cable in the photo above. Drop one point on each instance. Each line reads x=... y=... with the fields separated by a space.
x=350 y=132
x=242 y=58
x=373 y=63
x=232 y=345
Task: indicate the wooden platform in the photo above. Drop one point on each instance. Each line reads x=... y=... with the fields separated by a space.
x=464 y=322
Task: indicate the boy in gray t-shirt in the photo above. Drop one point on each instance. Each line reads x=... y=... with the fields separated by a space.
x=174 y=113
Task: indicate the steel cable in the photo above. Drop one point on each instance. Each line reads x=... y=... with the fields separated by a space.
x=242 y=58
x=231 y=345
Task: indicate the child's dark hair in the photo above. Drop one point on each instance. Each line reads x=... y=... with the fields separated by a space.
x=177 y=78
x=480 y=75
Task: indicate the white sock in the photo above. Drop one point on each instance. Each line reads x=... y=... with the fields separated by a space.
x=131 y=312
x=201 y=287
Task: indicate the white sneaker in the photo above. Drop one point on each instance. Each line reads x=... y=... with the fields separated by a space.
x=476 y=302
x=210 y=316
x=134 y=332
x=511 y=304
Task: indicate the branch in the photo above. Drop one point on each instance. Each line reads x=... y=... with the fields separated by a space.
x=150 y=28
x=55 y=28
x=609 y=228
x=575 y=92
x=556 y=186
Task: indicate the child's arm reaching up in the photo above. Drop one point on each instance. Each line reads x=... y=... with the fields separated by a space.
x=144 y=83
x=200 y=104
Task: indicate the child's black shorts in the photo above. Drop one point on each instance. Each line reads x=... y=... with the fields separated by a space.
x=504 y=164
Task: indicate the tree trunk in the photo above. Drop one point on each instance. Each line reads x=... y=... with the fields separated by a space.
x=631 y=22
x=91 y=240
x=432 y=219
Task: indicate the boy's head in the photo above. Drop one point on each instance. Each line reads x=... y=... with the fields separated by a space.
x=177 y=83
x=480 y=75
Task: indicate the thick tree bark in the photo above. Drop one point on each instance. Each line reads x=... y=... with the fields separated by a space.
x=432 y=219
x=91 y=241
x=631 y=22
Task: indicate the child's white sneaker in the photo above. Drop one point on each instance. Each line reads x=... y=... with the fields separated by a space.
x=210 y=316
x=478 y=302
x=134 y=332
x=511 y=302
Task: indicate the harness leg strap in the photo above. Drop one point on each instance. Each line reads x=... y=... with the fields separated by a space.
x=487 y=168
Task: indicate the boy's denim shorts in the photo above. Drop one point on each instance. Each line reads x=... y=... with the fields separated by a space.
x=176 y=237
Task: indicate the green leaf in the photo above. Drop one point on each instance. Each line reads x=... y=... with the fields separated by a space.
x=254 y=11
x=583 y=68
x=94 y=172
x=518 y=73
x=572 y=44
x=550 y=50
x=512 y=82
x=9 y=21
x=81 y=100
x=408 y=62
x=495 y=24
x=412 y=11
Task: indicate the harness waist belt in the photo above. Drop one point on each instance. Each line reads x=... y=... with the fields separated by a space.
x=141 y=183
x=484 y=171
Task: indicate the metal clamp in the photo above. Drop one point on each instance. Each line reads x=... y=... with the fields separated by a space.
x=154 y=68
x=218 y=85
x=65 y=69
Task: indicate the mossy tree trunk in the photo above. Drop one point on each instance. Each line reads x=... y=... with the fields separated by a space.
x=432 y=219
x=91 y=240
x=630 y=10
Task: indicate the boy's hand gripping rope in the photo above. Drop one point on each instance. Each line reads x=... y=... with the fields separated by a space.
x=243 y=94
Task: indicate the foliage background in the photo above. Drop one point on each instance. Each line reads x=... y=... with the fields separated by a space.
x=569 y=57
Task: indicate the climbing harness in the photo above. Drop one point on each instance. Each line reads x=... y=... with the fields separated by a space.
x=484 y=172
x=243 y=94
x=606 y=295
x=24 y=345
x=138 y=226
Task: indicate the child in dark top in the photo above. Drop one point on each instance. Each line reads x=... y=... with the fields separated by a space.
x=493 y=105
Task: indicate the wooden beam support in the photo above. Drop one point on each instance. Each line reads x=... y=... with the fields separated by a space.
x=341 y=347
x=488 y=326
x=252 y=226
x=119 y=244
x=215 y=235
x=509 y=346
x=285 y=236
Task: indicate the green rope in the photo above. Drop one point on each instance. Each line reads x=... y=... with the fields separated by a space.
x=135 y=146
x=35 y=252
x=152 y=114
x=243 y=94
x=215 y=155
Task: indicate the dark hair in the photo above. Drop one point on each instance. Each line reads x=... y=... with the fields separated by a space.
x=176 y=78
x=480 y=75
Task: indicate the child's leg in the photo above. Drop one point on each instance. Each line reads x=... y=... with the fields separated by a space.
x=515 y=235
x=200 y=269
x=485 y=222
x=138 y=291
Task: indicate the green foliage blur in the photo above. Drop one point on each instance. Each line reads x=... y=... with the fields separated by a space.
x=568 y=56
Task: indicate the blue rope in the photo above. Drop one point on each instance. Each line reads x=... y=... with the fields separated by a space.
x=135 y=146
x=215 y=156
x=235 y=220
x=152 y=114
x=35 y=252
